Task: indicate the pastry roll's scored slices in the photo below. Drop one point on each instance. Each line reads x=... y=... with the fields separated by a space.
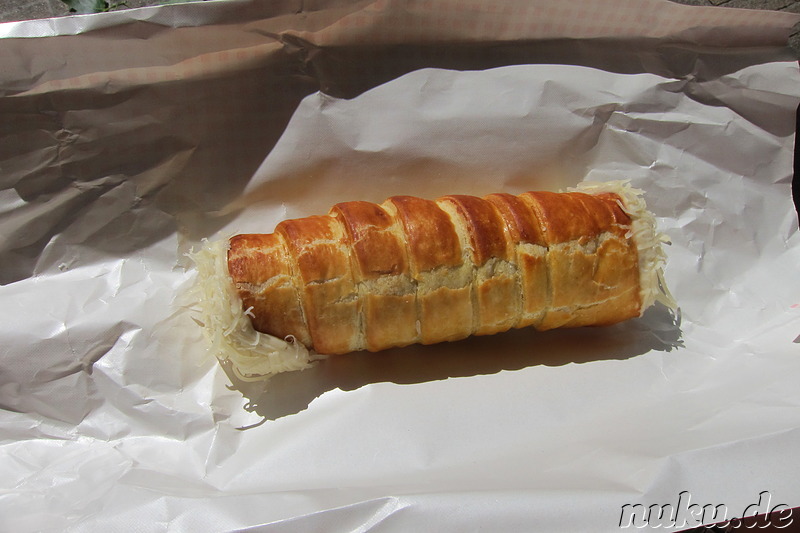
x=413 y=270
x=384 y=290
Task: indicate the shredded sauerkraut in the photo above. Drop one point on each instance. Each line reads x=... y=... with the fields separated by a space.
x=227 y=326
x=645 y=234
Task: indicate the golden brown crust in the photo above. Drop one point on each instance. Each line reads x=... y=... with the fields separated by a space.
x=316 y=244
x=261 y=270
x=413 y=270
x=584 y=236
x=562 y=217
x=375 y=247
x=318 y=248
x=525 y=233
x=380 y=268
x=521 y=222
x=495 y=281
x=484 y=227
x=436 y=267
x=429 y=234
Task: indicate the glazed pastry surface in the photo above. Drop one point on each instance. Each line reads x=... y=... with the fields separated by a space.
x=412 y=270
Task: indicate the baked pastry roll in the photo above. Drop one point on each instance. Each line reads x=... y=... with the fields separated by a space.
x=371 y=276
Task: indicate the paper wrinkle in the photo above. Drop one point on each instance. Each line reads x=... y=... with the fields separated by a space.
x=703 y=211
x=113 y=414
x=83 y=23
x=357 y=26
x=363 y=516
x=681 y=469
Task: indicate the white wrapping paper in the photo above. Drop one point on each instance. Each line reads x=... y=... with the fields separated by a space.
x=114 y=417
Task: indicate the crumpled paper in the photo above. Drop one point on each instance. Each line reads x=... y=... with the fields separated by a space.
x=114 y=416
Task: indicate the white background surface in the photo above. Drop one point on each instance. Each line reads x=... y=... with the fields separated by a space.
x=114 y=417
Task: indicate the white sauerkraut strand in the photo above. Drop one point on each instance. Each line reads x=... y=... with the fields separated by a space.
x=648 y=239
x=227 y=326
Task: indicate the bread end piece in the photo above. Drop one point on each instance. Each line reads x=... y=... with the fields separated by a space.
x=227 y=327
x=645 y=234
